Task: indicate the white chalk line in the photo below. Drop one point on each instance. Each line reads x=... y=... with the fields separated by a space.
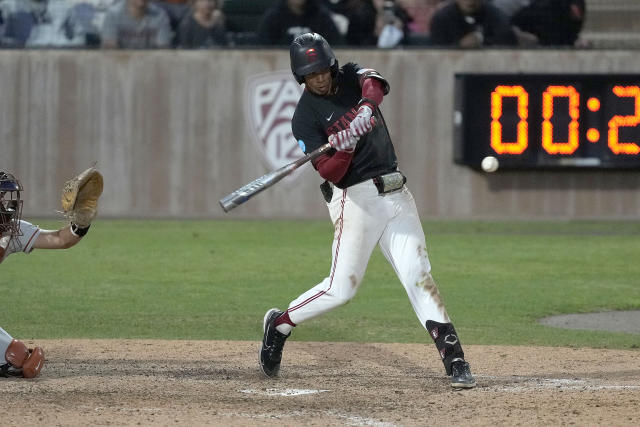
x=350 y=419
x=522 y=384
x=285 y=392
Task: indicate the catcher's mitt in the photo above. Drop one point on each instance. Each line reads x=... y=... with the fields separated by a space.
x=80 y=197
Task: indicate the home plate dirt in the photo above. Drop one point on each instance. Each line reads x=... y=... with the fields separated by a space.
x=192 y=383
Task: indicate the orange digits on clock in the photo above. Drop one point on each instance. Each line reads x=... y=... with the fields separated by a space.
x=498 y=145
x=549 y=145
x=624 y=121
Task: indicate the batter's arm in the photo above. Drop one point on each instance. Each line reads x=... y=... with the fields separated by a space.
x=333 y=168
x=372 y=92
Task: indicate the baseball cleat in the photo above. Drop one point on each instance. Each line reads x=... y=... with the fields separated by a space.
x=272 y=344
x=461 y=375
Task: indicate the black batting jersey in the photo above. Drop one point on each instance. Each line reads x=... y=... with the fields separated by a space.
x=316 y=117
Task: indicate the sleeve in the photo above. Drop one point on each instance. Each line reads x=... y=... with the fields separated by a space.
x=29 y=236
x=333 y=167
x=365 y=74
x=372 y=93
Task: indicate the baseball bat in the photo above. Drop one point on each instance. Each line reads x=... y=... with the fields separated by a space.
x=245 y=193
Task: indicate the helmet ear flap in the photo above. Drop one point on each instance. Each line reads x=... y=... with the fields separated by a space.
x=299 y=79
x=334 y=69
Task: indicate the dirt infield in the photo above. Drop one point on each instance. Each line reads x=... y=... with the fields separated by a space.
x=190 y=383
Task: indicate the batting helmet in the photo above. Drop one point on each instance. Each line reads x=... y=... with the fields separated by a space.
x=10 y=204
x=309 y=53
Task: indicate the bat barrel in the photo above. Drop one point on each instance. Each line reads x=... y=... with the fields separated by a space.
x=243 y=194
x=240 y=196
x=227 y=203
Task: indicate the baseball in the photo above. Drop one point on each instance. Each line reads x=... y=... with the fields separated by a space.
x=489 y=164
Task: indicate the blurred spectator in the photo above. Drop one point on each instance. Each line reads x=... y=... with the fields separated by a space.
x=73 y=23
x=393 y=24
x=510 y=8
x=176 y=11
x=471 y=24
x=203 y=26
x=135 y=24
x=553 y=22
x=20 y=18
x=360 y=17
x=58 y=23
x=287 y=19
x=337 y=10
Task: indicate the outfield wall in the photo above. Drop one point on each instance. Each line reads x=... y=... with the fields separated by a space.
x=172 y=133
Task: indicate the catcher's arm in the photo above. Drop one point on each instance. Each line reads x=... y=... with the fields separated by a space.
x=63 y=238
x=80 y=200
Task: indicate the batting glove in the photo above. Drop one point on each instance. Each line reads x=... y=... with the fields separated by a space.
x=361 y=124
x=343 y=140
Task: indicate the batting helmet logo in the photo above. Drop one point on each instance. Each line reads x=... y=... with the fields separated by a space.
x=271 y=99
x=311 y=54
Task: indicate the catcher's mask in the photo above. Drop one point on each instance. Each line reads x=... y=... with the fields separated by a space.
x=309 y=53
x=10 y=204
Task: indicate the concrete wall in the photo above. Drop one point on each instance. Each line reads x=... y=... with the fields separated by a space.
x=171 y=133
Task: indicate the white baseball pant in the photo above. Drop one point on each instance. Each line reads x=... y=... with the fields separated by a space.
x=363 y=218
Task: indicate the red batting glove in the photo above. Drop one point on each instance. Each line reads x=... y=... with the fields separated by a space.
x=361 y=124
x=343 y=140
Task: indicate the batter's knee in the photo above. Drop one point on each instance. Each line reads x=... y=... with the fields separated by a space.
x=342 y=301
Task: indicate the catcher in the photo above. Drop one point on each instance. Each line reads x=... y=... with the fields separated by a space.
x=79 y=204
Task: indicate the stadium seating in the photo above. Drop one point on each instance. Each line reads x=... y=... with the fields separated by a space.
x=612 y=23
x=243 y=18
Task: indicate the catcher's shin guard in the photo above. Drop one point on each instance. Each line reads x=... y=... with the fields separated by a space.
x=446 y=339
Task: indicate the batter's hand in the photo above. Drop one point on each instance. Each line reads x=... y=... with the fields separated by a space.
x=362 y=123
x=343 y=141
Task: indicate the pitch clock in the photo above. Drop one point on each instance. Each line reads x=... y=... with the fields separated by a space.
x=548 y=121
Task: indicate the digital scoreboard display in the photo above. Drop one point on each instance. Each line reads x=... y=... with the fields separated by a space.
x=548 y=121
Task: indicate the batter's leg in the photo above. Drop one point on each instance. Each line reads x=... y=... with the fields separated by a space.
x=357 y=230
x=403 y=244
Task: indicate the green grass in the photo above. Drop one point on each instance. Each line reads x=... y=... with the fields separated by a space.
x=215 y=280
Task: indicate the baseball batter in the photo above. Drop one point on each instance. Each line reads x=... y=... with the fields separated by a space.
x=367 y=199
x=17 y=235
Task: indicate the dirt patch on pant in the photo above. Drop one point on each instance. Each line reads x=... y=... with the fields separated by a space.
x=187 y=383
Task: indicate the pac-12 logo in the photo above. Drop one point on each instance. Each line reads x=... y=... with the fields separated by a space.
x=271 y=100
